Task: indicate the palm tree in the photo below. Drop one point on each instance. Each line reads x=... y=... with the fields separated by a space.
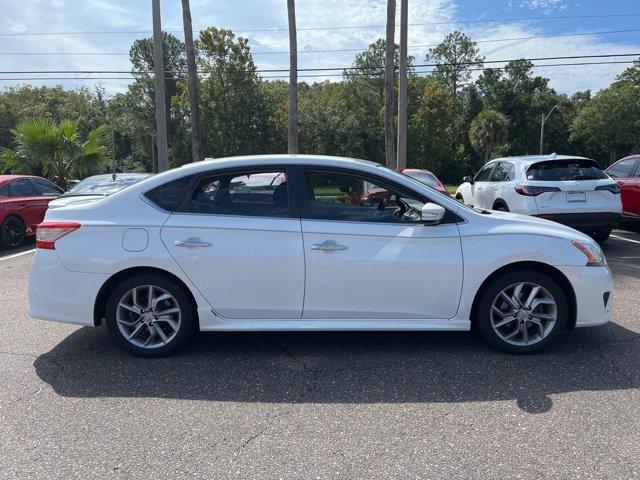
x=292 y=133
x=389 y=71
x=488 y=131
x=194 y=94
x=56 y=150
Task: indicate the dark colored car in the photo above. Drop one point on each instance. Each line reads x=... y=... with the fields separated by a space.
x=626 y=172
x=23 y=202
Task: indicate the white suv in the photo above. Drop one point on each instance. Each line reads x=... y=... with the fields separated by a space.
x=571 y=190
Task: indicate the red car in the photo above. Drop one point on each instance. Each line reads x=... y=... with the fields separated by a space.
x=23 y=203
x=426 y=177
x=627 y=173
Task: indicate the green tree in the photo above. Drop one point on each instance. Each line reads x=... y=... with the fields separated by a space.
x=488 y=131
x=455 y=57
x=56 y=149
x=631 y=76
x=609 y=124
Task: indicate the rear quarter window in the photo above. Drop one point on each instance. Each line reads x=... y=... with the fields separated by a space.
x=168 y=196
x=563 y=170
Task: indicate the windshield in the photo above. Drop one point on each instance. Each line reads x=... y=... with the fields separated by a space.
x=104 y=184
x=563 y=170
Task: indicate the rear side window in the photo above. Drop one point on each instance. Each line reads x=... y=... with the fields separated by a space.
x=168 y=196
x=249 y=193
x=563 y=170
x=502 y=172
x=45 y=187
x=22 y=187
x=622 y=169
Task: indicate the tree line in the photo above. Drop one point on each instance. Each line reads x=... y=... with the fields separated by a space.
x=459 y=115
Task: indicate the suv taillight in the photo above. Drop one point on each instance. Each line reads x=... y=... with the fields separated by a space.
x=612 y=187
x=48 y=232
x=531 y=191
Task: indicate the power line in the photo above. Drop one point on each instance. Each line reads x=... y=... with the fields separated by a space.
x=493 y=40
x=344 y=27
x=421 y=72
x=320 y=69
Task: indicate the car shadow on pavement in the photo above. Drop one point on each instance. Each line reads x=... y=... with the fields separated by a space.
x=343 y=367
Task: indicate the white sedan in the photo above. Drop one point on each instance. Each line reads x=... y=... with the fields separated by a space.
x=300 y=242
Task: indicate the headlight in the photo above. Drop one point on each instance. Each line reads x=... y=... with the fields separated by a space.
x=595 y=257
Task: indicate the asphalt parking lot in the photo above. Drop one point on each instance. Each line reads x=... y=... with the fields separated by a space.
x=320 y=405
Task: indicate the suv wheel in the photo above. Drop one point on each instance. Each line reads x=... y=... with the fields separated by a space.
x=522 y=312
x=150 y=316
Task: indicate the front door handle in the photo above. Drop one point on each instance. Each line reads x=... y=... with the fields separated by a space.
x=328 y=246
x=192 y=243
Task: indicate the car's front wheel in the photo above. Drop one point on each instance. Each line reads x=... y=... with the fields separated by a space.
x=150 y=315
x=522 y=312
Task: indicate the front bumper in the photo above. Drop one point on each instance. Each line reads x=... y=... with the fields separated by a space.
x=585 y=221
x=593 y=290
x=60 y=295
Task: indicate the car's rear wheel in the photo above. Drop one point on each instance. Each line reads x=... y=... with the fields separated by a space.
x=150 y=315
x=12 y=232
x=522 y=312
x=501 y=207
x=601 y=236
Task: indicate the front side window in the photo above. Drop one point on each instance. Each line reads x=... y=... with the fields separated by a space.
x=22 y=187
x=483 y=175
x=253 y=193
x=45 y=187
x=4 y=190
x=347 y=197
x=622 y=169
x=565 y=170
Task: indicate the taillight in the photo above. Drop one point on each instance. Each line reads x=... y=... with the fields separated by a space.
x=612 y=187
x=531 y=191
x=48 y=232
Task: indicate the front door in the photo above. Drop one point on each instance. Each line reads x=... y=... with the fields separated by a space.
x=235 y=237
x=482 y=187
x=373 y=258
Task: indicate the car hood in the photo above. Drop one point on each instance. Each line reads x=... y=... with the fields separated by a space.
x=79 y=200
x=524 y=224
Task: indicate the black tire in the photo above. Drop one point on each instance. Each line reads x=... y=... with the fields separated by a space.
x=601 y=236
x=483 y=313
x=12 y=232
x=459 y=198
x=188 y=316
x=501 y=207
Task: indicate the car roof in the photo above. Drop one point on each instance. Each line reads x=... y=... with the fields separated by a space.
x=526 y=160
x=283 y=159
x=4 y=178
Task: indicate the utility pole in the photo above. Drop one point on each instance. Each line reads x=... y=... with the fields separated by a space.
x=389 y=72
x=402 y=87
x=544 y=120
x=292 y=131
x=161 y=106
x=114 y=164
x=194 y=93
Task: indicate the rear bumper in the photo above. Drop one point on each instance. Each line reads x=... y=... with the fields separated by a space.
x=59 y=295
x=586 y=221
x=593 y=290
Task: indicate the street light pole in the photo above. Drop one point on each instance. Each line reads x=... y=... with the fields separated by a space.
x=161 y=106
x=544 y=119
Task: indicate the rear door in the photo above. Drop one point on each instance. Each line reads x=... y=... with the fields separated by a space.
x=27 y=203
x=237 y=236
x=573 y=185
x=632 y=205
x=374 y=259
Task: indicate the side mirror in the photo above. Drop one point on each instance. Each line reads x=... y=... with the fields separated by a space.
x=468 y=178
x=432 y=213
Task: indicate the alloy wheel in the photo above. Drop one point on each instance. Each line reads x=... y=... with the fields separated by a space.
x=148 y=316
x=13 y=232
x=523 y=314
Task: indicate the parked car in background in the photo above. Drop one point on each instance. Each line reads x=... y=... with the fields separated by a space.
x=571 y=190
x=426 y=177
x=626 y=173
x=158 y=261
x=23 y=202
x=97 y=186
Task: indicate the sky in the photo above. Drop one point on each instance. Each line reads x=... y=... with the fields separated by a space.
x=53 y=35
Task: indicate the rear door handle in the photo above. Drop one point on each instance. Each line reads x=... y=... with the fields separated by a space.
x=192 y=243
x=328 y=247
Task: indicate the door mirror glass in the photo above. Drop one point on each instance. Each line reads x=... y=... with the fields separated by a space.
x=468 y=179
x=432 y=213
